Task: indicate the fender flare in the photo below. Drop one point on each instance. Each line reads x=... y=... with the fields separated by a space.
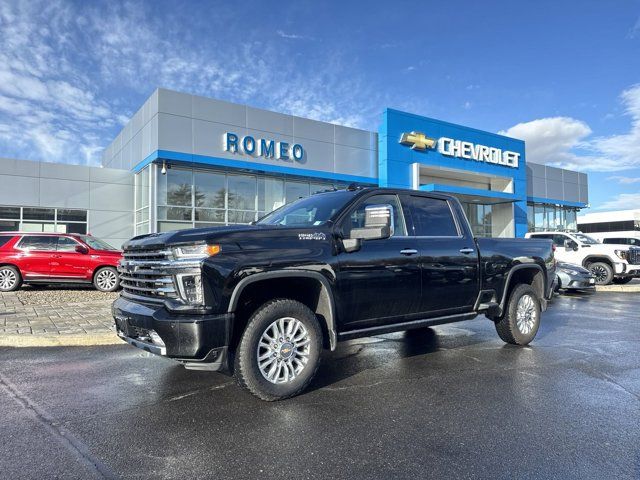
x=598 y=258
x=326 y=303
x=516 y=268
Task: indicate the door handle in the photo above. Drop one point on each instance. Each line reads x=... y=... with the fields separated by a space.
x=56 y=256
x=409 y=251
x=467 y=251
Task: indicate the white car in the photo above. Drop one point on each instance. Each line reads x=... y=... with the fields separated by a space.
x=607 y=262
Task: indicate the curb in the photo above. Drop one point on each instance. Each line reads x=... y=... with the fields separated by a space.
x=79 y=340
x=618 y=288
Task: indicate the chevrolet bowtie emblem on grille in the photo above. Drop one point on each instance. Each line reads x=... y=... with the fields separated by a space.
x=417 y=141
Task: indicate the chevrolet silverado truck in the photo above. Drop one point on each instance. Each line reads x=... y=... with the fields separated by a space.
x=261 y=301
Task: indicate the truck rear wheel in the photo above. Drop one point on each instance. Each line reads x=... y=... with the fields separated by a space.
x=520 y=323
x=279 y=351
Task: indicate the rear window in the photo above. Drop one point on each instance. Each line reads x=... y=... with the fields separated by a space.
x=4 y=239
x=432 y=217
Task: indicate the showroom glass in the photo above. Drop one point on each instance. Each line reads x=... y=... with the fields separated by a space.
x=432 y=217
x=480 y=218
x=310 y=211
x=44 y=243
x=96 y=243
x=357 y=217
x=142 y=191
x=38 y=219
x=221 y=198
x=542 y=217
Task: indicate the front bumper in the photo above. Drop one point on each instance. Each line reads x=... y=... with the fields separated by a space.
x=200 y=341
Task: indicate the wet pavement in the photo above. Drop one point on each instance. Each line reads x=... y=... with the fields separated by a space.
x=452 y=401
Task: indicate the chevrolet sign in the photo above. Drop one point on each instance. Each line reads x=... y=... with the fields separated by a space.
x=461 y=149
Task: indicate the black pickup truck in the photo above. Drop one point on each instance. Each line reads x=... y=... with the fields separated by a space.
x=261 y=301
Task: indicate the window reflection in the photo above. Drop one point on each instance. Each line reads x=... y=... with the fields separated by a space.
x=188 y=198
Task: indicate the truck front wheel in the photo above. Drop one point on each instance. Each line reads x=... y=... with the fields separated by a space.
x=520 y=323
x=602 y=271
x=279 y=351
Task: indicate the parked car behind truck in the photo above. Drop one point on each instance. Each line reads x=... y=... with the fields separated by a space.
x=55 y=258
x=262 y=301
x=608 y=263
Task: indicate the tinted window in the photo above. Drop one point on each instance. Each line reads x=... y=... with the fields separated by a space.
x=38 y=242
x=4 y=239
x=548 y=236
x=356 y=219
x=559 y=240
x=432 y=217
x=66 y=244
x=622 y=241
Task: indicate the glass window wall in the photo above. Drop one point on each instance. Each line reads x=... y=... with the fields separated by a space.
x=38 y=219
x=556 y=218
x=200 y=198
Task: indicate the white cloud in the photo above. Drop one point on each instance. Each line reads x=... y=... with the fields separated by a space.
x=67 y=76
x=568 y=142
x=624 y=180
x=623 y=201
x=467 y=105
x=291 y=36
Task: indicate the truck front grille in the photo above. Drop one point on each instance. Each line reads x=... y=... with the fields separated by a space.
x=143 y=272
x=634 y=256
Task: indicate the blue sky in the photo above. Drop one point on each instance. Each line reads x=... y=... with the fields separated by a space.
x=564 y=76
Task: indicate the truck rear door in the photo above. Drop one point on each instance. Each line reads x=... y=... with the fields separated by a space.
x=448 y=254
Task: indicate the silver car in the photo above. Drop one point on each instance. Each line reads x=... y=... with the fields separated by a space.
x=574 y=277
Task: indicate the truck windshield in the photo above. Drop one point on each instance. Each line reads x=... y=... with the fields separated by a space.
x=308 y=212
x=586 y=239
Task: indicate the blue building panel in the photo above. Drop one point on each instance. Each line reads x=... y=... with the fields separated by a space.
x=396 y=160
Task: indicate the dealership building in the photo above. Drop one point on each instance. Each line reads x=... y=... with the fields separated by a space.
x=186 y=161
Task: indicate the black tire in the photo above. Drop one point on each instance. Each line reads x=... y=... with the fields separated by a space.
x=10 y=278
x=247 y=369
x=508 y=328
x=602 y=271
x=622 y=280
x=100 y=279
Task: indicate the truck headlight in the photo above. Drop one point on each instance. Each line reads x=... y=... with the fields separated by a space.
x=621 y=254
x=196 y=251
x=190 y=288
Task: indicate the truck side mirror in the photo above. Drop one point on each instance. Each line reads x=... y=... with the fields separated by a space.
x=378 y=223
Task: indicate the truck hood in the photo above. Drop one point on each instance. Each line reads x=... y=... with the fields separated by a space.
x=193 y=235
x=233 y=233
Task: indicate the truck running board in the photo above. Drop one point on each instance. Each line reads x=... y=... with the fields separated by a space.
x=398 y=327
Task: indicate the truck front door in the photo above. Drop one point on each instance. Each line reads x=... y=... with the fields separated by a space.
x=382 y=279
x=448 y=255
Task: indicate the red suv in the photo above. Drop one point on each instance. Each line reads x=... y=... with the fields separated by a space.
x=42 y=258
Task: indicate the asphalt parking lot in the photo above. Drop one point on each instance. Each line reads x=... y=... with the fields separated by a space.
x=452 y=401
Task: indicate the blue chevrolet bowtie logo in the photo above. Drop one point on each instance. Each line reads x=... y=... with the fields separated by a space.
x=417 y=141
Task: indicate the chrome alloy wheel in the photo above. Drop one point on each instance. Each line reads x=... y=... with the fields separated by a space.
x=106 y=279
x=526 y=314
x=8 y=279
x=283 y=350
